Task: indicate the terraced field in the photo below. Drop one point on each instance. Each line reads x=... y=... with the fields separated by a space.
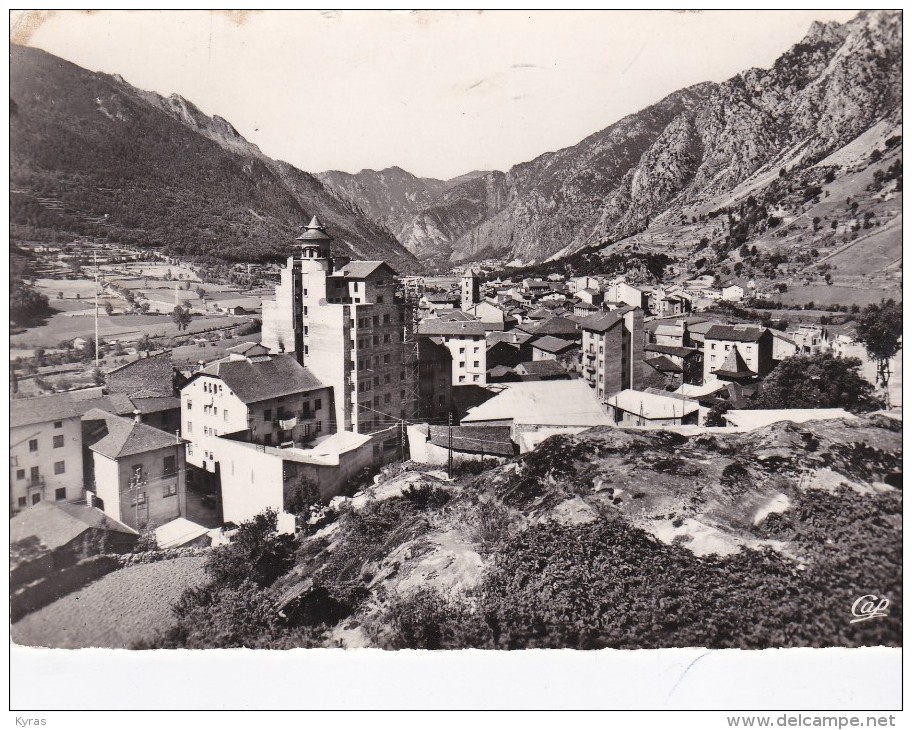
x=114 y=612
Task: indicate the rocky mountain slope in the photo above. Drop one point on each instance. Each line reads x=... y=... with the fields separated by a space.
x=93 y=156
x=610 y=538
x=694 y=150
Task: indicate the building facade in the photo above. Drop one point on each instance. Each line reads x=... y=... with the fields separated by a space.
x=343 y=321
x=612 y=352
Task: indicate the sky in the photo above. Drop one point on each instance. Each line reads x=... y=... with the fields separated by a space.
x=438 y=93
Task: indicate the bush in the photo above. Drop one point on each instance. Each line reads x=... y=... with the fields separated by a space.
x=256 y=553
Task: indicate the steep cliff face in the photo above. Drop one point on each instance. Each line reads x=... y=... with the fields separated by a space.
x=692 y=149
x=94 y=156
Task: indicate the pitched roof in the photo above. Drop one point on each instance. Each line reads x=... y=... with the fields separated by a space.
x=152 y=375
x=541 y=367
x=315 y=232
x=444 y=327
x=56 y=524
x=126 y=437
x=669 y=330
x=603 y=321
x=671 y=350
x=361 y=269
x=553 y=344
x=263 y=379
x=734 y=366
x=651 y=405
x=489 y=440
x=442 y=297
x=556 y=326
x=156 y=404
x=60 y=406
x=735 y=333
x=456 y=315
x=663 y=365
x=510 y=336
x=543 y=402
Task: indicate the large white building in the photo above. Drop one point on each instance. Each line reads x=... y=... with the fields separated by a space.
x=343 y=320
x=270 y=399
x=466 y=342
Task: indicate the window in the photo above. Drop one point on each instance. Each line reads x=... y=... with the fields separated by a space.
x=386 y=317
x=462 y=378
x=462 y=351
x=36 y=497
x=58 y=424
x=267 y=414
x=140 y=499
x=475 y=364
x=386 y=378
x=305 y=311
x=205 y=430
x=387 y=338
x=306 y=330
x=375 y=320
x=355 y=286
x=474 y=378
x=170 y=490
x=267 y=439
x=189 y=405
x=59 y=467
x=137 y=473
x=169 y=466
x=22 y=501
x=376 y=339
x=215 y=411
x=20 y=473
x=33 y=445
x=318 y=404
x=379 y=300
x=386 y=359
x=306 y=349
x=377 y=380
x=462 y=363
x=189 y=428
x=60 y=494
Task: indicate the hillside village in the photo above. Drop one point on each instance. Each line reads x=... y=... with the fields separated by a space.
x=358 y=370
x=313 y=443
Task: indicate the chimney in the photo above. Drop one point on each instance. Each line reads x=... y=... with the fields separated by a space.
x=136 y=416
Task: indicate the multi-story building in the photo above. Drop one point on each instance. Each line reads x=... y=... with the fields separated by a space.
x=46 y=444
x=470 y=290
x=754 y=345
x=272 y=398
x=343 y=321
x=612 y=356
x=138 y=472
x=435 y=379
x=466 y=343
x=45 y=451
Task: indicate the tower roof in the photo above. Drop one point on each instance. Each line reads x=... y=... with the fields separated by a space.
x=315 y=232
x=734 y=367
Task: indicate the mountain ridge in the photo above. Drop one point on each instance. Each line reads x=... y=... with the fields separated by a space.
x=127 y=165
x=823 y=92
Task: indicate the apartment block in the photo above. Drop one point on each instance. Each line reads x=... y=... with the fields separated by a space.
x=344 y=322
x=612 y=353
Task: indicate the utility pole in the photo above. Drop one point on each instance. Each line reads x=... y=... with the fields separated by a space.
x=97 y=350
x=450 y=448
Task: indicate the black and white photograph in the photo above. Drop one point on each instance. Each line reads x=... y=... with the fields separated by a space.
x=456 y=330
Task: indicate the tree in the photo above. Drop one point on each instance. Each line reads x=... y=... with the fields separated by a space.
x=109 y=308
x=200 y=292
x=181 y=317
x=818 y=381
x=256 y=553
x=879 y=329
